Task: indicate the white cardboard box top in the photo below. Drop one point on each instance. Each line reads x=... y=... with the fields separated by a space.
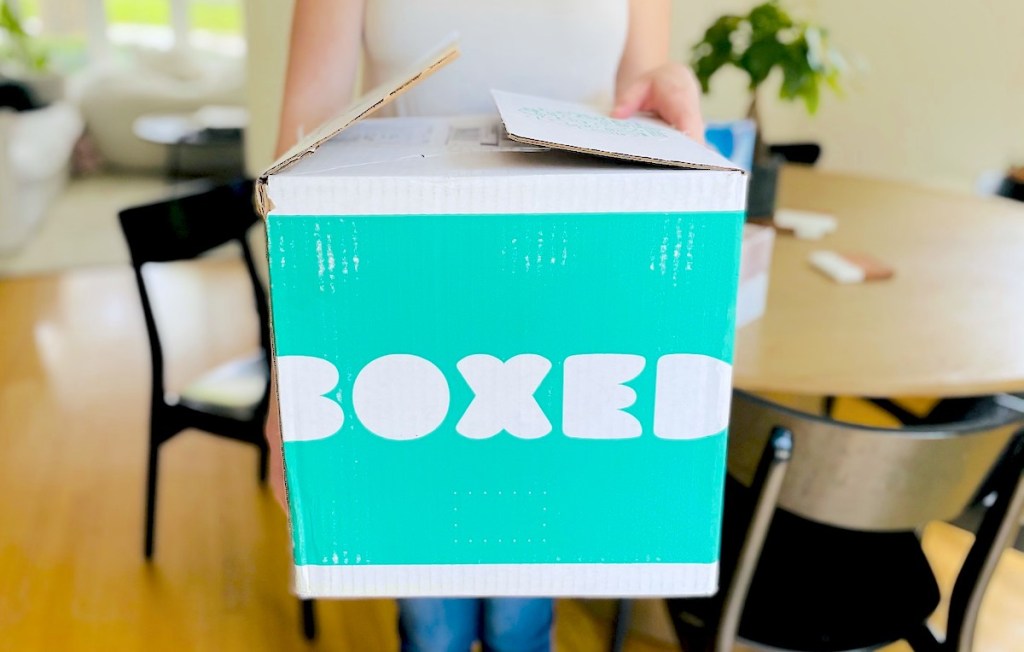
x=396 y=166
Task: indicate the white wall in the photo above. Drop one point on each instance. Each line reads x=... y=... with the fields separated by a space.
x=268 y=23
x=941 y=102
x=942 y=99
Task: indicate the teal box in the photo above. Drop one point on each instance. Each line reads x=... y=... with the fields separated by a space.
x=503 y=369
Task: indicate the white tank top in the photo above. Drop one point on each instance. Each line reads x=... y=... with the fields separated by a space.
x=562 y=49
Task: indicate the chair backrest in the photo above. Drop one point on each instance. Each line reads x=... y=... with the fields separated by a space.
x=199 y=218
x=804 y=153
x=866 y=478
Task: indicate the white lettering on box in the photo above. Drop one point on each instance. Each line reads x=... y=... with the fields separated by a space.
x=692 y=396
x=504 y=396
x=401 y=397
x=306 y=414
x=594 y=396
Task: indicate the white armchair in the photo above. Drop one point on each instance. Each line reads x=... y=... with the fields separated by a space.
x=113 y=96
x=35 y=160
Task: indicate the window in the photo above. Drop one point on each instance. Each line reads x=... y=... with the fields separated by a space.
x=73 y=28
x=61 y=30
x=217 y=25
x=214 y=25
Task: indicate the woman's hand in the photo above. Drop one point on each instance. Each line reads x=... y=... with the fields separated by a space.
x=671 y=92
x=648 y=80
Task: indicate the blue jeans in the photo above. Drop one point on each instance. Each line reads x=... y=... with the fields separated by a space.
x=454 y=624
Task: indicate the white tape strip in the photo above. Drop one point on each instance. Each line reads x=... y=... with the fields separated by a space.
x=837 y=268
x=553 y=580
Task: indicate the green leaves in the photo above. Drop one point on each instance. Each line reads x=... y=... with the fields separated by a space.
x=17 y=44
x=767 y=20
x=765 y=39
x=9 y=22
x=715 y=50
x=761 y=57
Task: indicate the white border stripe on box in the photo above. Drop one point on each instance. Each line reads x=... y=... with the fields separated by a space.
x=653 y=191
x=554 y=580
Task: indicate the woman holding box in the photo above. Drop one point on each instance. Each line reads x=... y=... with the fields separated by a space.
x=610 y=53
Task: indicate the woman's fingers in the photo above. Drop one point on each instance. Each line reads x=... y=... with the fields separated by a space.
x=671 y=92
x=632 y=99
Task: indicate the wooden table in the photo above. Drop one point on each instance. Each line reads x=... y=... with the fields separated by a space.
x=949 y=323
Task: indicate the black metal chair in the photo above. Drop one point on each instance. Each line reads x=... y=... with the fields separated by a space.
x=801 y=153
x=202 y=217
x=820 y=544
x=944 y=411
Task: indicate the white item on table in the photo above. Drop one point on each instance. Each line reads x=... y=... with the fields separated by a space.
x=806 y=225
x=837 y=268
x=755 y=264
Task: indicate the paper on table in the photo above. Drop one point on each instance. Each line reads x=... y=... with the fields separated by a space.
x=577 y=127
x=806 y=225
x=852 y=267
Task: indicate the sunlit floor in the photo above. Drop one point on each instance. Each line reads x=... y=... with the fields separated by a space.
x=73 y=420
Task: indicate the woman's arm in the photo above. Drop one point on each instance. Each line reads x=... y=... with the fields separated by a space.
x=648 y=80
x=323 y=63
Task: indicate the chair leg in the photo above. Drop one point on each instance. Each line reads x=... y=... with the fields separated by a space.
x=692 y=633
x=767 y=486
x=998 y=528
x=308 y=619
x=264 y=462
x=903 y=415
x=922 y=640
x=620 y=625
x=152 y=468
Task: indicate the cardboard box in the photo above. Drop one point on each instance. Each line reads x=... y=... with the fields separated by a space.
x=755 y=273
x=503 y=368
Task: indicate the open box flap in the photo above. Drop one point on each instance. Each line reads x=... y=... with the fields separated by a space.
x=579 y=128
x=362 y=107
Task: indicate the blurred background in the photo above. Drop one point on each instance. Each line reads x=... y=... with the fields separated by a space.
x=941 y=80
x=111 y=105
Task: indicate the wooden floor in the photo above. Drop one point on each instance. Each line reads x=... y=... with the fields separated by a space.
x=73 y=419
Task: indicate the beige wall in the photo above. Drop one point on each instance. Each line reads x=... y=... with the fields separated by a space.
x=941 y=102
x=267 y=26
x=942 y=99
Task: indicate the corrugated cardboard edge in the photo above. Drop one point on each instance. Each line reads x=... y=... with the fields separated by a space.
x=370 y=102
x=522 y=133
x=619 y=155
x=366 y=105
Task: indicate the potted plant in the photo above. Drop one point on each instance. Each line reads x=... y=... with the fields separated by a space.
x=24 y=60
x=757 y=43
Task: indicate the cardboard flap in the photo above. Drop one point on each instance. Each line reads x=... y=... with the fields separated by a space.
x=579 y=128
x=380 y=96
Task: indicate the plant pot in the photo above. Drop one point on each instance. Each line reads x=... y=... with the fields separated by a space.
x=48 y=87
x=763 y=187
x=1012 y=185
x=45 y=88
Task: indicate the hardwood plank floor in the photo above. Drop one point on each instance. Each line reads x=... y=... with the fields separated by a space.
x=73 y=416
